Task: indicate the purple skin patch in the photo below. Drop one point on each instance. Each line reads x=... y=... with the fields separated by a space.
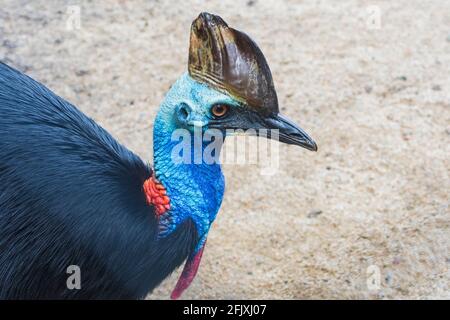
x=189 y=271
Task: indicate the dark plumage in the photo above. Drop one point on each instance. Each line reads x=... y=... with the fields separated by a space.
x=62 y=202
x=71 y=195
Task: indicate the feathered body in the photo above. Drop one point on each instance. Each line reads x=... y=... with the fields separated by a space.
x=70 y=194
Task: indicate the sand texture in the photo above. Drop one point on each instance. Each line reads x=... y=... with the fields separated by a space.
x=375 y=97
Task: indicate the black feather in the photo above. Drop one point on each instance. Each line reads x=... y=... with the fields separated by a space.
x=70 y=194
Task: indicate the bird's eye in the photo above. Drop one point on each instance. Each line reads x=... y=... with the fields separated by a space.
x=219 y=110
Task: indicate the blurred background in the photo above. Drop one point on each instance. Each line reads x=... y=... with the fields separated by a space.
x=367 y=216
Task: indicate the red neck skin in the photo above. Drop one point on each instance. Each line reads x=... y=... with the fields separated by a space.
x=156 y=195
x=189 y=272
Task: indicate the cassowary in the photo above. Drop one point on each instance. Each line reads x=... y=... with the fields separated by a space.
x=71 y=195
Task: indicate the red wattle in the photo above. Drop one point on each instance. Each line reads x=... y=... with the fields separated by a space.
x=156 y=195
x=189 y=271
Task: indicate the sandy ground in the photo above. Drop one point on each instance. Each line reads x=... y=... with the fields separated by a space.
x=375 y=94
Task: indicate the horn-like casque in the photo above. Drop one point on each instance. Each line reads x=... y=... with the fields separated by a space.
x=229 y=61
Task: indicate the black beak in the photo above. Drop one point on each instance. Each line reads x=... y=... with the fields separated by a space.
x=273 y=126
x=288 y=132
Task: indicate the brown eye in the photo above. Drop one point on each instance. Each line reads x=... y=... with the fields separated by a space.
x=219 y=110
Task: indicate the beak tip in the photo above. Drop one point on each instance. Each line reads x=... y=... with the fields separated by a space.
x=310 y=145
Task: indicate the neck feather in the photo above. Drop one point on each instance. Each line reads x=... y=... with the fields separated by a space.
x=195 y=189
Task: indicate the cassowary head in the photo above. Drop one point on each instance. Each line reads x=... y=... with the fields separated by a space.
x=228 y=87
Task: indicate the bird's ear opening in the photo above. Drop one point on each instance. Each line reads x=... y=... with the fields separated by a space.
x=183 y=113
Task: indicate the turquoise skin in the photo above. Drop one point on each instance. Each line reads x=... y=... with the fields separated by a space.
x=195 y=187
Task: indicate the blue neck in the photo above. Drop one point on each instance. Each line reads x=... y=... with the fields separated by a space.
x=195 y=189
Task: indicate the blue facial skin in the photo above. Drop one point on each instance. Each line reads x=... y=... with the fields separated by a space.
x=195 y=189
